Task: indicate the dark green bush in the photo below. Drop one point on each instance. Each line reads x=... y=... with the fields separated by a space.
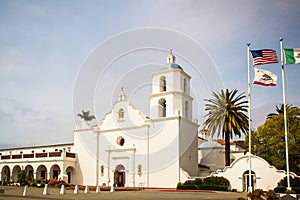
x=295 y=182
x=33 y=183
x=209 y=183
x=189 y=182
x=198 y=181
x=22 y=177
x=203 y=187
x=216 y=181
x=282 y=185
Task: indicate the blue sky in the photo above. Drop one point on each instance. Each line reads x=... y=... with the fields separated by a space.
x=45 y=43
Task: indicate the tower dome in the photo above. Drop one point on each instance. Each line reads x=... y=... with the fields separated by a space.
x=171 y=61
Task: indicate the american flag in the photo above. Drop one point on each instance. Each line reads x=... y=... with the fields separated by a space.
x=264 y=56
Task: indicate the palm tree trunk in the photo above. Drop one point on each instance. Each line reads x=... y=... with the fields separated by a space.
x=227 y=149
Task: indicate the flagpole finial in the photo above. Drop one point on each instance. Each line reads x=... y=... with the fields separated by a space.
x=248 y=44
x=281 y=38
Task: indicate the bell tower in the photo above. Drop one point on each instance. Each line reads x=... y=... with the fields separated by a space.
x=170 y=95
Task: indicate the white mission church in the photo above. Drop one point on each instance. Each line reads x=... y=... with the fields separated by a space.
x=130 y=149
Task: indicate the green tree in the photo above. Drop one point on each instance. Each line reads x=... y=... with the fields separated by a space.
x=291 y=111
x=226 y=116
x=86 y=116
x=22 y=177
x=268 y=141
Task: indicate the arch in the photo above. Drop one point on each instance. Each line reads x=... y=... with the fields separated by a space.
x=119 y=176
x=121 y=113
x=5 y=174
x=246 y=180
x=184 y=85
x=55 y=171
x=162 y=84
x=139 y=170
x=70 y=171
x=120 y=168
x=162 y=108
x=102 y=170
x=186 y=109
x=41 y=172
x=15 y=173
x=30 y=171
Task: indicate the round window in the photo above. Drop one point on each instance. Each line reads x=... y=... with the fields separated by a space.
x=120 y=141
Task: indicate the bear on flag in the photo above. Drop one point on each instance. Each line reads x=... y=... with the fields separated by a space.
x=264 y=77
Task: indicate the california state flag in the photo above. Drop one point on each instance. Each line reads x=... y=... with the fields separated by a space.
x=264 y=77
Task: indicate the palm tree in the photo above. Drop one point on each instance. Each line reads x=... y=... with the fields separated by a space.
x=291 y=111
x=226 y=115
x=86 y=116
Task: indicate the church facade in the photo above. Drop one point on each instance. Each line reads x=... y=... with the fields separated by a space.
x=129 y=149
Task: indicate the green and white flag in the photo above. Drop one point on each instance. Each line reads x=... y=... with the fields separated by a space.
x=292 y=56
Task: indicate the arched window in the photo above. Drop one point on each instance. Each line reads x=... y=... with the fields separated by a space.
x=163 y=84
x=102 y=170
x=162 y=108
x=140 y=170
x=121 y=113
x=186 y=109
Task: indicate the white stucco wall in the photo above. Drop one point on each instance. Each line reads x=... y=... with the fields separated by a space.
x=267 y=176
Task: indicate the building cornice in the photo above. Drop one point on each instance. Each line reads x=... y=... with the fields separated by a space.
x=170 y=93
x=171 y=70
x=38 y=146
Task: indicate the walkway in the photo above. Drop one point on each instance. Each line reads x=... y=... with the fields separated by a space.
x=12 y=192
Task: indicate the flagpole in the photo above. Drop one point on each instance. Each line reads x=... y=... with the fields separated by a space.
x=249 y=119
x=285 y=118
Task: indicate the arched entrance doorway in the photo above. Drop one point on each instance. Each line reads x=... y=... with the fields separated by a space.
x=41 y=173
x=54 y=171
x=5 y=178
x=29 y=170
x=246 y=181
x=119 y=176
x=15 y=173
x=70 y=172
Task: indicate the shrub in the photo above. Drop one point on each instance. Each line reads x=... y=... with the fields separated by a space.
x=256 y=194
x=295 y=182
x=214 y=180
x=189 y=182
x=198 y=181
x=179 y=184
x=187 y=187
x=42 y=184
x=33 y=183
x=22 y=177
x=282 y=185
x=209 y=183
x=271 y=195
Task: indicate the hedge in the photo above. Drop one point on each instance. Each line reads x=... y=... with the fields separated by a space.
x=282 y=189
x=203 y=187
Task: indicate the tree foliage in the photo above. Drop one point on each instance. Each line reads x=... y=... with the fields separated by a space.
x=22 y=177
x=86 y=116
x=226 y=116
x=268 y=141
